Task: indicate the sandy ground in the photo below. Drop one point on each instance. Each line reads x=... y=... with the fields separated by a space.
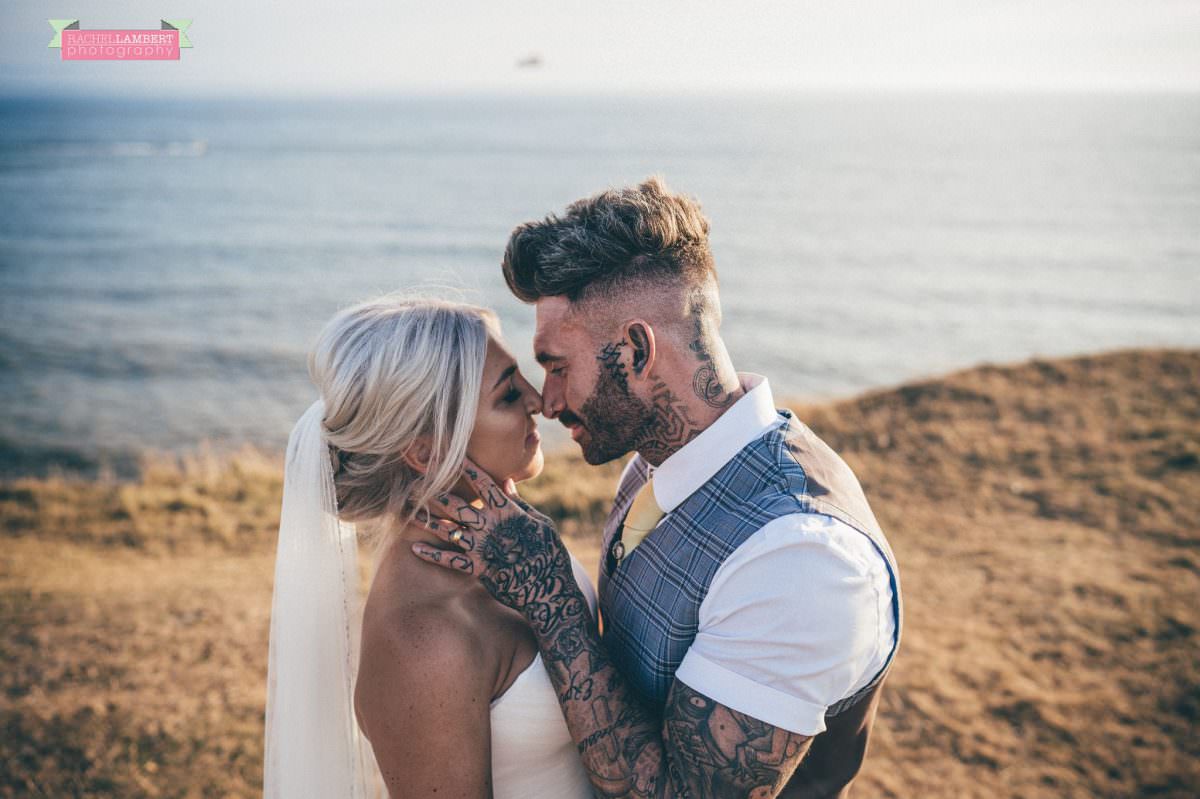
x=1044 y=515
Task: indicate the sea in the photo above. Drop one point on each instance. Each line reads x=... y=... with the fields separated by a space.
x=165 y=264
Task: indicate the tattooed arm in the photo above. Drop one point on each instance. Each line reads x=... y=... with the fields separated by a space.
x=699 y=749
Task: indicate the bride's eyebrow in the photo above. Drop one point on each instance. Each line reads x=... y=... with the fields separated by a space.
x=507 y=373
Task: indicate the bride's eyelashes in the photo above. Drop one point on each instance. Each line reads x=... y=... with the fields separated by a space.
x=513 y=394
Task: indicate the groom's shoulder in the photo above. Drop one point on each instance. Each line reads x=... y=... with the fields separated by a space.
x=809 y=560
x=805 y=606
x=807 y=543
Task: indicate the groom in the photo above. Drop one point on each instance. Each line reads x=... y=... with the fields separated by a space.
x=750 y=604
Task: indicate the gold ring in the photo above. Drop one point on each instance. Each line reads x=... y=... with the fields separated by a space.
x=456 y=536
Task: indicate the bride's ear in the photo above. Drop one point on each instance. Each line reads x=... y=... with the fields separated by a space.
x=417 y=455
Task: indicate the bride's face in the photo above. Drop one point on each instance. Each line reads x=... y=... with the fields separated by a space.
x=505 y=442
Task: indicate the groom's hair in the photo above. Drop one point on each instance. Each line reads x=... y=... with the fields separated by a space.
x=612 y=246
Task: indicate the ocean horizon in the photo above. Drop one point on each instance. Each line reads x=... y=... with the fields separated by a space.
x=165 y=264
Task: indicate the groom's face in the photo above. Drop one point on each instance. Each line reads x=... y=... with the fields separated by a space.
x=583 y=389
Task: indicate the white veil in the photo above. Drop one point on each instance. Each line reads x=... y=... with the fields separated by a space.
x=313 y=745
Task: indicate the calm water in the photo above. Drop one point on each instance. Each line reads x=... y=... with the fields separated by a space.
x=164 y=266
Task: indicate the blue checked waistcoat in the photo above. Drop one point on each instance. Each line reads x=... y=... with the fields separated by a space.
x=650 y=600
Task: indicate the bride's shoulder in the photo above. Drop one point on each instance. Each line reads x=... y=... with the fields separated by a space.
x=408 y=643
x=420 y=674
x=403 y=620
x=424 y=684
x=417 y=636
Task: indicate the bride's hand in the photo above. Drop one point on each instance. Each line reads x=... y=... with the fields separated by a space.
x=512 y=548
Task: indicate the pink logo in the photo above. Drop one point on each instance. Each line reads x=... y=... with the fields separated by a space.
x=120 y=45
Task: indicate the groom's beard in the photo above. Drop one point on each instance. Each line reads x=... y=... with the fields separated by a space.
x=613 y=419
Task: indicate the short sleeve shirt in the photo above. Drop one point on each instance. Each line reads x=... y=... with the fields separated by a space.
x=799 y=616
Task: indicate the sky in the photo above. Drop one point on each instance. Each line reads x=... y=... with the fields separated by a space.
x=246 y=47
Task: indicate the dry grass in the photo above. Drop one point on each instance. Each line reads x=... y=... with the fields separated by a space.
x=1044 y=516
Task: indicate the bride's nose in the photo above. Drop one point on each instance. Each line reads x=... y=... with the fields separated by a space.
x=531 y=398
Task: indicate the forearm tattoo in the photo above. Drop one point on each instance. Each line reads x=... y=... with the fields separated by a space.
x=702 y=750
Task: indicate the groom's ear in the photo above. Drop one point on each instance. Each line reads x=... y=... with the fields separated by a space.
x=641 y=346
x=418 y=454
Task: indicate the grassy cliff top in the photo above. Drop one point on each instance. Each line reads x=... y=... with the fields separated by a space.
x=1044 y=516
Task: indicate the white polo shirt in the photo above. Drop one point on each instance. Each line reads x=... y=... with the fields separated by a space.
x=799 y=616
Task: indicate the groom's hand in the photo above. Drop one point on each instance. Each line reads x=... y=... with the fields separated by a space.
x=512 y=548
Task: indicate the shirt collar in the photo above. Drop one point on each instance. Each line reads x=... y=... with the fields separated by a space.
x=694 y=464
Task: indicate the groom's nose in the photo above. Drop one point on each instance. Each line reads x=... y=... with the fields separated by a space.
x=553 y=401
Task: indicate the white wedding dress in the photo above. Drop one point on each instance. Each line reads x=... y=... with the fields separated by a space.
x=532 y=752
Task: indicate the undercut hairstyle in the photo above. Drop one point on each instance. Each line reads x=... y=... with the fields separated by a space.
x=612 y=246
x=391 y=371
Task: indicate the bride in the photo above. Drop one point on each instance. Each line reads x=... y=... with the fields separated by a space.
x=442 y=692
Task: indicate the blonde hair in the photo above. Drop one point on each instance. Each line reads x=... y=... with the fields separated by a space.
x=390 y=371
